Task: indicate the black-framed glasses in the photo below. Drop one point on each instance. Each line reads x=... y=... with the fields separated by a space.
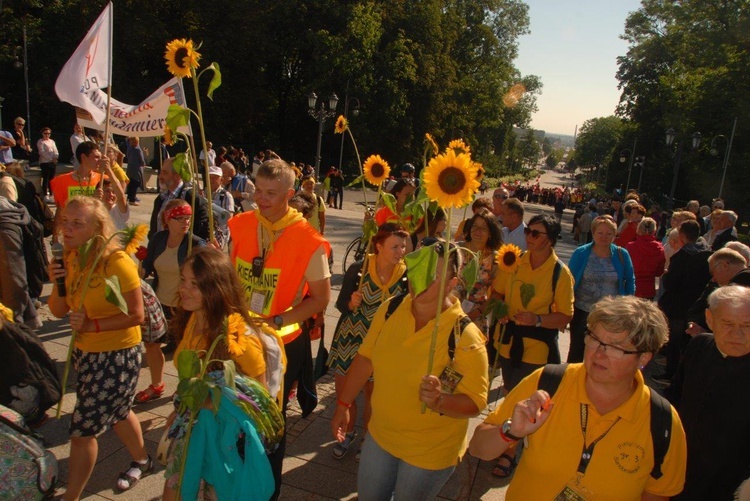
x=533 y=233
x=610 y=350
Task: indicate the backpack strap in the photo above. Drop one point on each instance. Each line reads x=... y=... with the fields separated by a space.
x=661 y=430
x=555 y=277
x=551 y=377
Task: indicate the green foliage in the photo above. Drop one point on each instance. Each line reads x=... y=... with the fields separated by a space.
x=215 y=80
x=113 y=293
x=527 y=294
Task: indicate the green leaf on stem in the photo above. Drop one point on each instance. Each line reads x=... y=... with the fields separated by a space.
x=113 y=294
x=356 y=181
x=177 y=116
x=497 y=308
x=470 y=270
x=83 y=253
x=390 y=202
x=193 y=392
x=181 y=166
x=421 y=268
x=188 y=364
x=215 y=81
x=215 y=397
x=369 y=229
x=229 y=374
x=527 y=293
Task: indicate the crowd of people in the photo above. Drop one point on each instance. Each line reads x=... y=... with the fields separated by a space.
x=640 y=285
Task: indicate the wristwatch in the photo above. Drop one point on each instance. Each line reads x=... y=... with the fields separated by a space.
x=506 y=434
x=538 y=321
x=278 y=321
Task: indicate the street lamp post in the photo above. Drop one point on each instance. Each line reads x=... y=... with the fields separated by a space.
x=639 y=161
x=630 y=167
x=1 y=111
x=320 y=115
x=696 y=142
x=727 y=151
x=355 y=112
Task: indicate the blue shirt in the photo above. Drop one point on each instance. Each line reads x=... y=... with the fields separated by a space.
x=6 y=156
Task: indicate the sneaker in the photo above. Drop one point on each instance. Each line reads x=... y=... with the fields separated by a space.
x=341 y=448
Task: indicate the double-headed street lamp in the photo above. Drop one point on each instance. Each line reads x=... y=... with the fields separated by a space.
x=320 y=115
x=632 y=156
x=696 y=142
x=355 y=112
x=727 y=151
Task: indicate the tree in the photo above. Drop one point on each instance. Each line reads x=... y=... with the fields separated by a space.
x=597 y=142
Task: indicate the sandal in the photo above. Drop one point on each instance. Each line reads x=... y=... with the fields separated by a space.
x=150 y=393
x=341 y=448
x=125 y=481
x=502 y=471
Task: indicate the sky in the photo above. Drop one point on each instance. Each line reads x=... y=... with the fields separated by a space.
x=573 y=47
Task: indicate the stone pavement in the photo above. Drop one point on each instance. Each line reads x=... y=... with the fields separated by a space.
x=310 y=471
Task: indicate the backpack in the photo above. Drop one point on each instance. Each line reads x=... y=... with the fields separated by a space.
x=661 y=414
x=29 y=198
x=30 y=381
x=27 y=469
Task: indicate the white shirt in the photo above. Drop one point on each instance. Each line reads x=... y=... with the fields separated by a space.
x=515 y=237
x=211 y=157
x=120 y=219
x=47 y=151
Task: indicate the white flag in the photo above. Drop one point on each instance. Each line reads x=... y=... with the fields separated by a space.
x=88 y=69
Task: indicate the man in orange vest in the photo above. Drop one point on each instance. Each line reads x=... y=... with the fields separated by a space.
x=282 y=263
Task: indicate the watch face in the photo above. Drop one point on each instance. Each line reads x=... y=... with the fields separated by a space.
x=277 y=320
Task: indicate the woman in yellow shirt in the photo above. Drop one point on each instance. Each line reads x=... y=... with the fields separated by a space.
x=210 y=294
x=107 y=349
x=409 y=454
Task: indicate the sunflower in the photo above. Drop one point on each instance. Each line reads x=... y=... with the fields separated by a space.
x=458 y=146
x=341 y=125
x=431 y=144
x=236 y=343
x=450 y=179
x=480 y=171
x=168 y=136
x=181 y=57
x=508 y=257
x=376 y=170
x=132 y=236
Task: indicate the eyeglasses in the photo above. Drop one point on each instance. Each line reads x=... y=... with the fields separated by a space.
x=610 y=350
x=46 y=133
x=479 y=229
x=181 y=219
x=501 y=197
x=533 y=233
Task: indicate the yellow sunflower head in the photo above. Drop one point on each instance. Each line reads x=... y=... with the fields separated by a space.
x=181 y=57
x=451 y=179
x=132 y=236
x=236 y=342
x=458 y=146
x=480 y=171
x=341 y=125
x=508 y=257
x=430 y=144
x=376 y=170
x=168 y=136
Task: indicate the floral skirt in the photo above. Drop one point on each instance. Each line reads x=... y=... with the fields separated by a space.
x=105 y=389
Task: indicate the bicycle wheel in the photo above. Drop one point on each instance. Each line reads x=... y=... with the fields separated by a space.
x=354 y=253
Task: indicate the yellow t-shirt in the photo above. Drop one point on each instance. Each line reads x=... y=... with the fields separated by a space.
x=399 y=358
x=250 y=362
x=97 y=307
x=621 y=463
x=509 y=284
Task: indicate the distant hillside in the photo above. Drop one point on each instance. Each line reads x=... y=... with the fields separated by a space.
x=565 y=139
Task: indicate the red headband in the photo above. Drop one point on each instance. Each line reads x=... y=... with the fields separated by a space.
x=180 y=210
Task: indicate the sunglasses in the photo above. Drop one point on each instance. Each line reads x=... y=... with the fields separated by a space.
x=181 y=219
x=533 y=233
x=500 y=197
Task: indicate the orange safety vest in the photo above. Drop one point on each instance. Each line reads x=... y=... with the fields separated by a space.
x=64 y=186
x=284 y=267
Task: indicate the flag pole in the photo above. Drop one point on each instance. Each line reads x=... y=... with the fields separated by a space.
x=109 y=90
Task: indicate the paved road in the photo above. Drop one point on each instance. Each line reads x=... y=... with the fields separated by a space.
x=310 y=471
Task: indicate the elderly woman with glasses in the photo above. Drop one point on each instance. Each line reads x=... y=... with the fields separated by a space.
x=600 y=269
x=592 y=439
x=539 y=295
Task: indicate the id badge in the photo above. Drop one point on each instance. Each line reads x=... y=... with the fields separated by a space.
x=449 y=380
x=257 y=300
x=574 y=491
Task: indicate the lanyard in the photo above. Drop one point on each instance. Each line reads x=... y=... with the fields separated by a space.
x=588 y=451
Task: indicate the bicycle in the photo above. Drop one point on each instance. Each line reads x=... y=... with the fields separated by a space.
x=357 y=248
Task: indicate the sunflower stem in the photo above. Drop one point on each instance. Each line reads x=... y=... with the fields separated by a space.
x=359 y=162
x=207 y=189
x=441 y=297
